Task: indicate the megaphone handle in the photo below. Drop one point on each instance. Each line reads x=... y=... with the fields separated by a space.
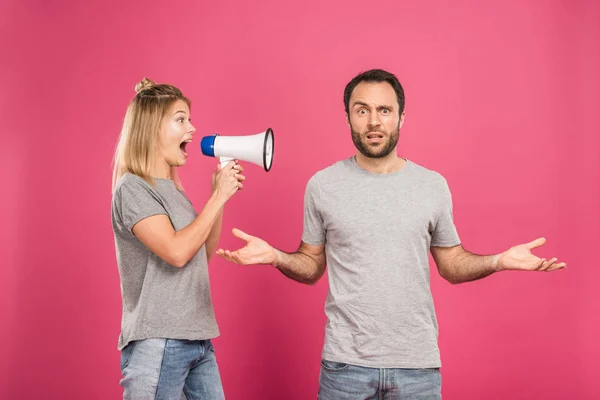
x=225 y=160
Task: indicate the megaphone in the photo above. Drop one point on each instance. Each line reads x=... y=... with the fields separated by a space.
x=257 y=149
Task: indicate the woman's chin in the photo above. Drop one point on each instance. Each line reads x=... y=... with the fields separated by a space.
x=179 y=161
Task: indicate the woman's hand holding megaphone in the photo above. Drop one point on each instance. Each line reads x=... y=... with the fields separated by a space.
x=228 y=180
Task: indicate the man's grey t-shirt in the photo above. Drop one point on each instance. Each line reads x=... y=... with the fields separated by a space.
x=159 y=300
x=377 y=230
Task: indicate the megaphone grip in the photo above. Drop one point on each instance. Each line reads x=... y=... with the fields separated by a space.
x=225 y=160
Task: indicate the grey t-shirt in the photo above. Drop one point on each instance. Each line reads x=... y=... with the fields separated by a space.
x=377 y=230
x=159 y=300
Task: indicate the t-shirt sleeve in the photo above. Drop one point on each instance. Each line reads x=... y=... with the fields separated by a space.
x=445 y=233
x=136 y=200
x=314 y=229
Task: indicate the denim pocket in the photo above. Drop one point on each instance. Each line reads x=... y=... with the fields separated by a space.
x=126 y=354
x=333 y=365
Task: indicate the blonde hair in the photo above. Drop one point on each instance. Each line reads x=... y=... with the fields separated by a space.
x=136 y=148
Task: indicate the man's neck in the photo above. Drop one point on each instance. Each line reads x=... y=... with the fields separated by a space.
x=385 y=165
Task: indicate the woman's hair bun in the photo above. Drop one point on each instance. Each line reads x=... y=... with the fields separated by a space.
x=144 y=84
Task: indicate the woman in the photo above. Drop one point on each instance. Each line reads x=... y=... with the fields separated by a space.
x=163 y=247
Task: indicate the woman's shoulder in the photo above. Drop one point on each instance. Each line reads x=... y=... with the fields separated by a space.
x=130 y=180
x=129 y=185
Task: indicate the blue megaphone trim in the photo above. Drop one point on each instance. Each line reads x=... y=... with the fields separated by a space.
x=207 y=145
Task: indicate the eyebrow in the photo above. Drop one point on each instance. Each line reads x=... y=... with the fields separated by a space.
x=360 y=103
x=179 y=111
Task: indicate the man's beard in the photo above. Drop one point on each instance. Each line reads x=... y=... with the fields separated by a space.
x=379 y=150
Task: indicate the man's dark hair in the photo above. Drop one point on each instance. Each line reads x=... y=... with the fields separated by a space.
x=375 y=76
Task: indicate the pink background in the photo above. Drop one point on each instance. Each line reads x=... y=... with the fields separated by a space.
x=502 y=99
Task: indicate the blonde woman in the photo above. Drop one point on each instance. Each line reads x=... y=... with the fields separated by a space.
x=163 y=248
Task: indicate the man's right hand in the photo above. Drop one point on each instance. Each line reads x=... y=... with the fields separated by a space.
x=256 y=251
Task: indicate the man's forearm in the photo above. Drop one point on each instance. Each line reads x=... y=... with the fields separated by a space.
x=298 y=266
x=466 y=266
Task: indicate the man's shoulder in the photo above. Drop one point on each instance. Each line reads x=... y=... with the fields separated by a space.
x=426 y=172
x=334 y=171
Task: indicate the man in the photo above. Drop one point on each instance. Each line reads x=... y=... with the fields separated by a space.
x=374 y=218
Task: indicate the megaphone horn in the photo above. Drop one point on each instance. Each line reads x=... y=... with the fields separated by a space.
x=257 y=149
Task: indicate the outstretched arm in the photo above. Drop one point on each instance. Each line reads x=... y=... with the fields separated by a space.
x=458 y=265
x=306 y=265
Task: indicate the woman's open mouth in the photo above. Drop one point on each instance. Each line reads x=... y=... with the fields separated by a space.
x=182 y=147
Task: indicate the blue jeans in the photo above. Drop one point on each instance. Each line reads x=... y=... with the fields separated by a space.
x=167 y=368
x=345 y=382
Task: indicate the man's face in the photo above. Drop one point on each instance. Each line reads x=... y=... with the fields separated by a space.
x=374 y=118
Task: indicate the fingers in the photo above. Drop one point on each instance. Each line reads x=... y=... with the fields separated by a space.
x=238 y=166
x=236 y=170
x=240 y=234
x=229 y=255
x=550 y=265
x=237 y=259
x=553 y=265
x=547 y=264
x=540 y=264
x=558 y=266
x=232 y=257
x=536 y=243
x=240 y=177
x=226 y=254
x=234 y=164
x=231 y=176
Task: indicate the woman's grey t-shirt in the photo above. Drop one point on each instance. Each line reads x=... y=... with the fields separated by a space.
x=159 y=300
x=377 y=230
